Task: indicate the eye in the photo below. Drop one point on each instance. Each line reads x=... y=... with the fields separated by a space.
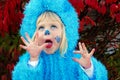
x=53 y=27
x=41 y=28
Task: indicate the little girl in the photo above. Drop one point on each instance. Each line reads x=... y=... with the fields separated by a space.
x=49 y=32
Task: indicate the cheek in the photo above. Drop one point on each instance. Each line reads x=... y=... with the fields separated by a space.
x=57 y=35
x=41 y=34
x=40 y=37
x=58 y=39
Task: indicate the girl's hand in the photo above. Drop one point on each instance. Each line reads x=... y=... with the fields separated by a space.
x=32 y=46
x=84 y=61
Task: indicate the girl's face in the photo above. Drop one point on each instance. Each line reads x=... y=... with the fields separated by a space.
x=50 y=31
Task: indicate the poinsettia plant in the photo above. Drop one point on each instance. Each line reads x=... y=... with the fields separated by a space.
x=10 y=19
x=99 y=28
x=11 y=16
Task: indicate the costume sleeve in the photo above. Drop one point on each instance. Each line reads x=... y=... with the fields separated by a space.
x=23 y=71
x=100 y=72
x=88 y=71
x=33 y=63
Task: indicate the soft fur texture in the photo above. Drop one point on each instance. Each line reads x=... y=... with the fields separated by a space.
x=53 y=66
x=61 y=7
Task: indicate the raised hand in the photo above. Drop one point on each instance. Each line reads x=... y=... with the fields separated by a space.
x=84 y=61
x=32 y=46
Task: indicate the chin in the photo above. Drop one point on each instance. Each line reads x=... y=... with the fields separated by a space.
x=49 y=52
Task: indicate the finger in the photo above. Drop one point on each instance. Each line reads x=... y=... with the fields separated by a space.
x=92 y=52
x=24 y=41
x=77 y=52
x=28 y=37
x=43 y=46
x=79 y=61
x=24 y=47
x=84 y=48
x=80 y=46
x=76 y=60
x=36 y=37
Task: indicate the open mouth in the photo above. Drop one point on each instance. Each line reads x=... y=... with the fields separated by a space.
x=49 y=43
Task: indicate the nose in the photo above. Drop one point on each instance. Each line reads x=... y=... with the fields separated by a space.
x=47 y=32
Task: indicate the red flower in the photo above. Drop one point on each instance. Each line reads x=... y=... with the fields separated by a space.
x=11 y=17
x=86 y=21
x=117 y=17
x=1 y=21
x=110 y=1
x=5 y=25
x=102 y=9
x=92 y=3
x=16 y=54
x=78 y=4
x=10 y=67
x=4 y=77
x=81 y=25
x=113 y=10
x=119 y=6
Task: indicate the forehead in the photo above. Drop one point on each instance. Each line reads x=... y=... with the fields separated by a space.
x=48 y=16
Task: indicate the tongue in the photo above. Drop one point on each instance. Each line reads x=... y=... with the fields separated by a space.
x=49 y=45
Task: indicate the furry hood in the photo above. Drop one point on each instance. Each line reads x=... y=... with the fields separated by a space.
x=62 y=8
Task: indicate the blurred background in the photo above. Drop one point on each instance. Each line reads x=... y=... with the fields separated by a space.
x=99 y=29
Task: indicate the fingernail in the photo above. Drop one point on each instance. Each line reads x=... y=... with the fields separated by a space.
x=82 y=43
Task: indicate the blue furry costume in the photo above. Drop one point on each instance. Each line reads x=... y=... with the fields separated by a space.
x=54 y=66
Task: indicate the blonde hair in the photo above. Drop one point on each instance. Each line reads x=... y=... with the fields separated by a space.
x=53 y=16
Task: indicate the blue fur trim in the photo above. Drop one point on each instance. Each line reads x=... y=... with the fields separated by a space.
x=55 y=67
